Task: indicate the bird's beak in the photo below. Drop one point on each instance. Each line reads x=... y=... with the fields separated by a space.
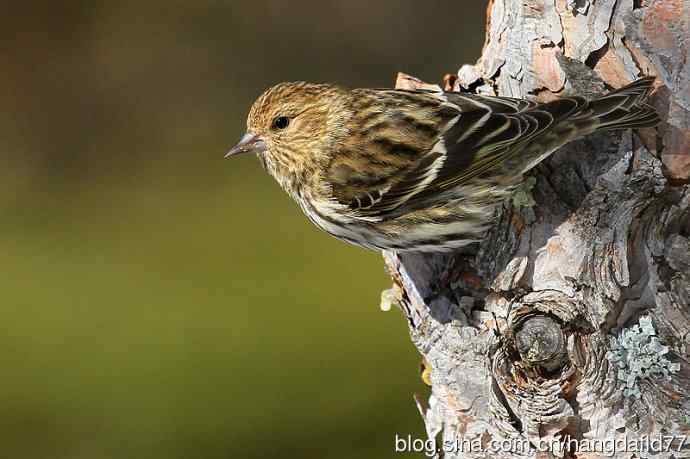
x=249 y=143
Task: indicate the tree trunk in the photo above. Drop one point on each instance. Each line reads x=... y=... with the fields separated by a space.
x=570 y=320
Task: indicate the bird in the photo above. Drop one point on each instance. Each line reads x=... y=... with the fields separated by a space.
x=417 y=170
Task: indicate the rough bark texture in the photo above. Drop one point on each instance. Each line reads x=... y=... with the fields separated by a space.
x=571 y=319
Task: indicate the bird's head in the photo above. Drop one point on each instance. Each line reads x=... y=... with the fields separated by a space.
x=292 y=127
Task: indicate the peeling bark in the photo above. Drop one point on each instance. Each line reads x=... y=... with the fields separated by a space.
x=571 y=319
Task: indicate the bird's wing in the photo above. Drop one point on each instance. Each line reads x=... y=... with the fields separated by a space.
x=487 y=132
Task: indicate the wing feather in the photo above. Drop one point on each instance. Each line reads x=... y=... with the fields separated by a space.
x=487 y=132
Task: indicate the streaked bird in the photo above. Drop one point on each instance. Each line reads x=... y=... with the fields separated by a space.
x=417 y=170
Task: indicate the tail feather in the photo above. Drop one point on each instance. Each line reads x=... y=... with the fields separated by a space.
x=624 y=108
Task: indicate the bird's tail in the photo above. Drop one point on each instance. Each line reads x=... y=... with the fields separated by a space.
x=624 y=108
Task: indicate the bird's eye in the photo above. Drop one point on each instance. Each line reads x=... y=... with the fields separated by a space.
x=281 y=122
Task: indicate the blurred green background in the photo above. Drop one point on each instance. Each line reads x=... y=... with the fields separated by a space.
x=159 y=301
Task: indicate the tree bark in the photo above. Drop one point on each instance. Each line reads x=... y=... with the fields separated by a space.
x=570 y=320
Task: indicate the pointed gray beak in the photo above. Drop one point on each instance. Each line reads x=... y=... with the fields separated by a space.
x=249 y=143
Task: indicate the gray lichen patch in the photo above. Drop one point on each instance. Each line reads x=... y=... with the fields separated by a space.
x=638 y=354
x=522 y=197
x=390 y=297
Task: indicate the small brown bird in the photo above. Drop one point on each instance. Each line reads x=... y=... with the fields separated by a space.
x=416 y=170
